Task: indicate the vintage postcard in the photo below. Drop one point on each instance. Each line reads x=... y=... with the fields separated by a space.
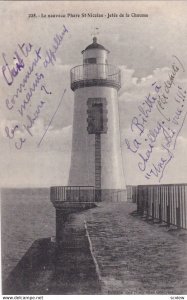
x=93 y=158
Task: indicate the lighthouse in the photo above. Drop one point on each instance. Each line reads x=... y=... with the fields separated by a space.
x=96 y=158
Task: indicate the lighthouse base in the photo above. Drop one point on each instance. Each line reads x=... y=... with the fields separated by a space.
x=74 y=197
x=113 y=195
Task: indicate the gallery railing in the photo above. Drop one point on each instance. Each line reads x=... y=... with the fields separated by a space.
x=165 y=203
x=72 y=193
x=132 y=193
x=95 y=74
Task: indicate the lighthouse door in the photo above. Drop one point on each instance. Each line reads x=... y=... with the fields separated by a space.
x=97 y=117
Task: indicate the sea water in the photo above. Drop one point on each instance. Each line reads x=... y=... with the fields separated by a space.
x=26 y=215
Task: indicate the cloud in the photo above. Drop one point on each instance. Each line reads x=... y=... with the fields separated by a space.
x=45 y=165
x=132 y=94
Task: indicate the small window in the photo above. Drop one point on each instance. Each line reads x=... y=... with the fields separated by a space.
x=91 y=60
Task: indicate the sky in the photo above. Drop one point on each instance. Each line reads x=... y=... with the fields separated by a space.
x=146 y=49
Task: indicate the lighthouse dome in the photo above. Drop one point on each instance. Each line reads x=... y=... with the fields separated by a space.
x=95 y=45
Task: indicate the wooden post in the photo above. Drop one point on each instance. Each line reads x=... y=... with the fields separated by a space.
x=160 y=213
x=168 y=215
x=153 y=209
x=168 y=208
x=178 y=215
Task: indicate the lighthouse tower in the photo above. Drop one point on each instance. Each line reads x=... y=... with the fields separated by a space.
x=96 y=158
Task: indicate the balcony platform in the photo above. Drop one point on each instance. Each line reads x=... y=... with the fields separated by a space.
x=95 y=75
x=71 y=207
x=70 y=199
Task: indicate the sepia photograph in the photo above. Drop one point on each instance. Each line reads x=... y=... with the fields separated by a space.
x=93 y=118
